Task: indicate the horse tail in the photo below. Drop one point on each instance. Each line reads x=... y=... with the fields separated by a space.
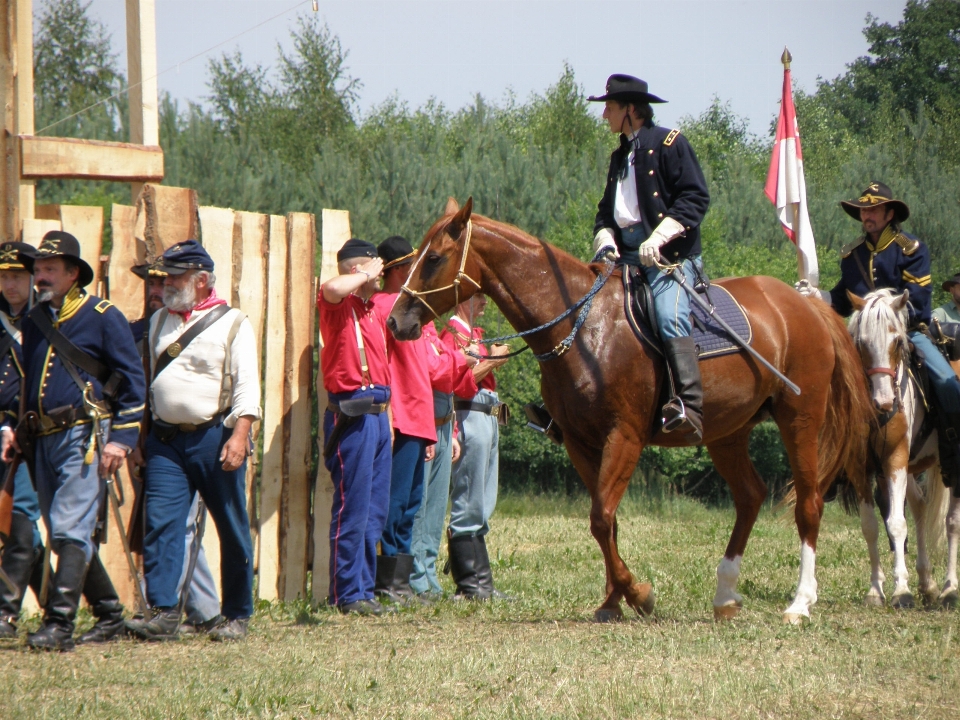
x=845 y=433
x=935 y=515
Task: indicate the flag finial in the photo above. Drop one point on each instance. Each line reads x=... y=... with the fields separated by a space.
x=786 y=58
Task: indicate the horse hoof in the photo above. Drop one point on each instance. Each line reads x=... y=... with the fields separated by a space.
x=791 y=618
x=902 y=602
x=873 y=601
x=949 y=600
x=930 y=597
x=607 y=615
x=643 y=600
x=723 y=613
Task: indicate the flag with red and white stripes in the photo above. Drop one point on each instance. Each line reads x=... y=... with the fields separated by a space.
x=786 y=187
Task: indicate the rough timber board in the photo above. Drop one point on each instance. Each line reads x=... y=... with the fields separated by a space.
x=298 y=375
x=34 y=230
x=142 y=71
x=165 y=217
x=216 y=230
x=126 y=289
x=85 y=224
x=335 y=231
x=73 y=159
x=271 y=468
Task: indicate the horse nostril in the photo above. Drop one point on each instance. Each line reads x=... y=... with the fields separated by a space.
x=392 y=324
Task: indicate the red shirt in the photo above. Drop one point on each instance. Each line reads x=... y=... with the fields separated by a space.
x=457 y=336
x=340 y=356
x=412 y=362
x=454 y=374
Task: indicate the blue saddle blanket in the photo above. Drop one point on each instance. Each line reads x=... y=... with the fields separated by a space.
x=711 y=339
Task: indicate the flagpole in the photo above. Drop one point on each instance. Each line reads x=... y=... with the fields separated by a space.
x=786 y=59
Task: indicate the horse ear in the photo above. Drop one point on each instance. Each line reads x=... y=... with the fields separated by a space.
x=460 y=220
x=901 y=302
x=857 y=301
x=452 y=206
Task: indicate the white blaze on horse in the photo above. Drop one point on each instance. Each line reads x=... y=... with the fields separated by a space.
x=904 y=449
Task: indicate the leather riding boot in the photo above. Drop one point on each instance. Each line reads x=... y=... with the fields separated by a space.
x=401 y=577
x=384 y=585
x=684 y=412
x=463 y=551
x=19 y=559
x=104 y=603
x=484 y=573
x=56 y=632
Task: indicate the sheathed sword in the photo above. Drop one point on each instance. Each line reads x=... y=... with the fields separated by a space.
x=5 y=579
x=677 y=273
x=134 y=574
x=195 y=546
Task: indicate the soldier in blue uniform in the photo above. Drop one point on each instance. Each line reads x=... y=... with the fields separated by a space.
x=23 y=550
x=654 y=201
x=85 y=383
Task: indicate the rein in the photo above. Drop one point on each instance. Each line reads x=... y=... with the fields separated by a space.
x=583 y=304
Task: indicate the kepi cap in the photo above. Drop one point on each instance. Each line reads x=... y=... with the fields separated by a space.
x=354 y=248
x=188 y=255
x=10 y=252
x=395 y=250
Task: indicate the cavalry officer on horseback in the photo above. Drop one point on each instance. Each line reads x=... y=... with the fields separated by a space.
x=884 y=256
x=652 y=207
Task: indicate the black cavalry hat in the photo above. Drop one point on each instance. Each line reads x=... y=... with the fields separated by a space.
x=154 y=269
x=876 y=194
x=10 y=252
x=395 y=250
x=955 y=280
x=57 y=243
x=354 y=248
x=626 y=88
x=184 y=256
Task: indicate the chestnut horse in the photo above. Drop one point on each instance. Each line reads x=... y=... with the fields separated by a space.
x=604 y=393
x=879 y=330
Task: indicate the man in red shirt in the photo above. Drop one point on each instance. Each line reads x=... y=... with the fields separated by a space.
x=475 y=475
x=356 y=424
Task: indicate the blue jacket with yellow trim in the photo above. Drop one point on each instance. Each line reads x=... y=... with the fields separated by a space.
x=101 y=331
x=10 y=369
x=904 y=264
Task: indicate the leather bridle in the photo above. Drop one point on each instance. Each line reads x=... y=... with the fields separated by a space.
x=455 y=285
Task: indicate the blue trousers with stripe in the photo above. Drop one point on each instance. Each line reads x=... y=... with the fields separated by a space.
x=406 y=493
x=360 y=467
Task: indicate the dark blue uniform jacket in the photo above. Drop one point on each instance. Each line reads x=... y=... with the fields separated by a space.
x=903 y=264
x=670 y=183
x=100 y=330
x=11 y=371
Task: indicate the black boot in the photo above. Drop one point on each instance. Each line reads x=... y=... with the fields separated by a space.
x=56 y=633
x=401 y=577
x=19 y=559
x=104 y=603
x=484 y=573
x=384 y=585
x=463 y=551
x=684 y=412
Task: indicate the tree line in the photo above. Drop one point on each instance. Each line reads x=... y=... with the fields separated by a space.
x=291 y=138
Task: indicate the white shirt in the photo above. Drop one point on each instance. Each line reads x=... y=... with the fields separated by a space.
x=188 y=390
x=626 y=205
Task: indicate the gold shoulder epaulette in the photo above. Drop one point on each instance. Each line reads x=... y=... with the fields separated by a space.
x=850 y=247
x=909 y=246
x=671 y=136
x=101 y=307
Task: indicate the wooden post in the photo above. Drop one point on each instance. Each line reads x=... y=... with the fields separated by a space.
x=25 y=108
x=16 y=93
x=271 y=467
x=165 y=216
x=126 y=289
x=142 y=76
x=85 y=224
x=216 y=231
x=298 y=375
x=335 y=231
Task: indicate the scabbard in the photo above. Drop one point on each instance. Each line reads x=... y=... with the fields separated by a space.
x=339 y=428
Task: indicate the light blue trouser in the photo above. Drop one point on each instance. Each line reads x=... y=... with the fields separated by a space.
x=946 y=385
x=428 y=522
x=473 y=493
x=69 y=491
x=25 y=499
x=671 y=302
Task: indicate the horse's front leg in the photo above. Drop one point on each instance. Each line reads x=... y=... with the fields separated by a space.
x=731 y=458
x=897 y=529
x=871 y=534
x=950 y=595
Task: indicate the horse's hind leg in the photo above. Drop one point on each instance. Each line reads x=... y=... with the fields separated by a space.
x=871 y=533
x=919 y=507
x=732 y=459
x=950 y=596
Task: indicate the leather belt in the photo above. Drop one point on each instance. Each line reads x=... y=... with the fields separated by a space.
x=167 y=431
x=472 y=406
x=59 y=419
x=374 y=409
x=441 y=421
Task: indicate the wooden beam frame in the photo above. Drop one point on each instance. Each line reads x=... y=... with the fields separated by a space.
x=68 y=158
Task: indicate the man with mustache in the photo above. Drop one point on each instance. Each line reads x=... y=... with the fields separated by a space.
x=205 y=397
x=85 y=384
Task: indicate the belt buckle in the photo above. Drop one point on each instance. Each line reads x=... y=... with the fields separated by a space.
x=495 y=410
x=46 y=423
x=188 y=427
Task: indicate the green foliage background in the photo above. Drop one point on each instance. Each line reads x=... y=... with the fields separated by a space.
x=290 y=138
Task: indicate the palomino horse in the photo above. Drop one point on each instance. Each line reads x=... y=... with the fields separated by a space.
x=879 y=330
x=604 y=393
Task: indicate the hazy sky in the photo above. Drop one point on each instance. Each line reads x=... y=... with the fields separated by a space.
x=688 y=50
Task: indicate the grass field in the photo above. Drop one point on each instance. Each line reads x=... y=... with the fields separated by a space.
x=541 y=655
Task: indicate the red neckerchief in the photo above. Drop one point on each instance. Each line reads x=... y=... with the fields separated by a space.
x=211 y=301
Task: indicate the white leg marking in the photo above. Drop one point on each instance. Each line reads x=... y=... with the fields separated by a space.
x=728 y=572
x=871 y=533
x=897 y=527
x=806 y=587
x=919 y=508
x=953 y=539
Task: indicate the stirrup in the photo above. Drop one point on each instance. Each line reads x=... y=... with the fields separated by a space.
x=674 y=415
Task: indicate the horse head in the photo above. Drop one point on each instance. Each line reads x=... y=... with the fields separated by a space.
x=442 y=276
x=879 y=330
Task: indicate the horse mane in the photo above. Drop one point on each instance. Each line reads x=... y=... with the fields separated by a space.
x=877 y=314
x=524 y=240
